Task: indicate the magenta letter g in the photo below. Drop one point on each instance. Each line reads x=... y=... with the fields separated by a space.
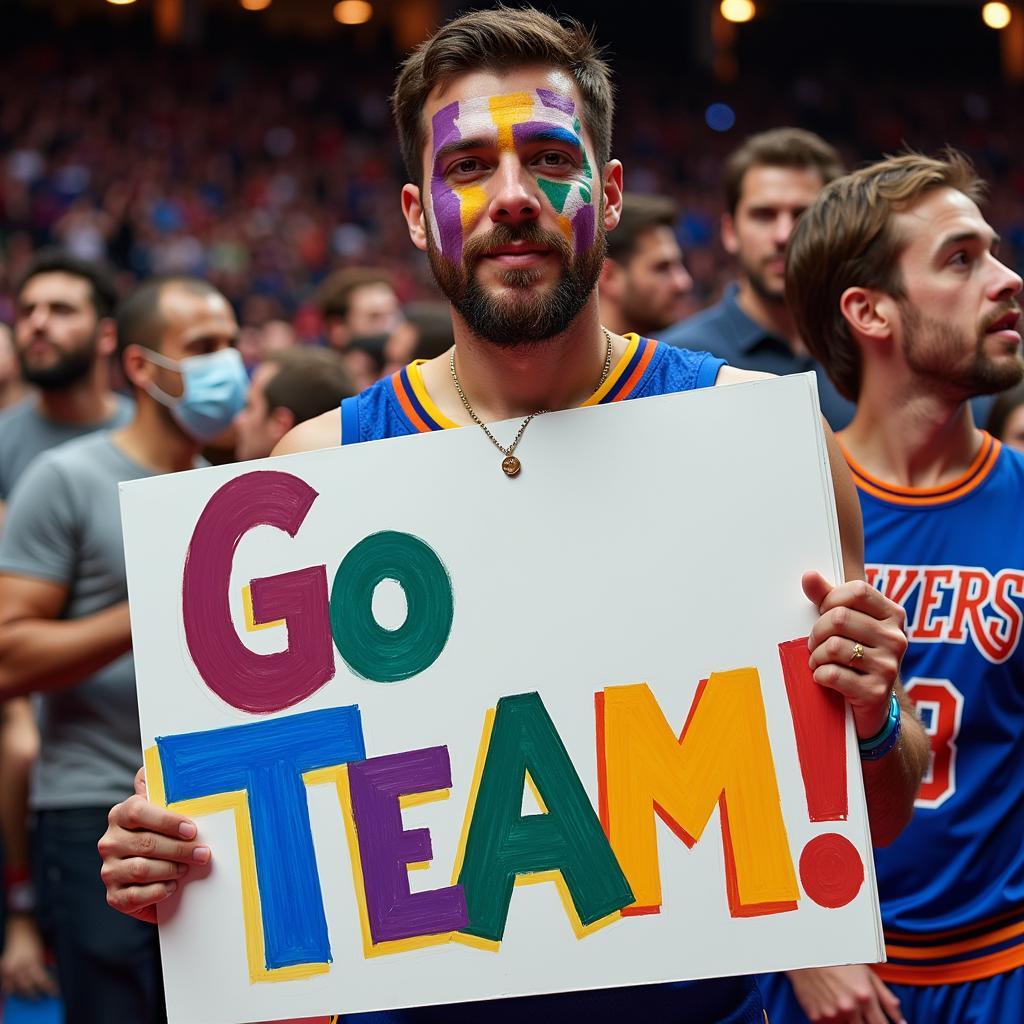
x=258 y=683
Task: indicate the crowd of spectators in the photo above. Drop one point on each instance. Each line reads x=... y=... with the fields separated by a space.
x=263 y=172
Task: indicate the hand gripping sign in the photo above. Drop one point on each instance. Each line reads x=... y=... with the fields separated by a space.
x=455 y=737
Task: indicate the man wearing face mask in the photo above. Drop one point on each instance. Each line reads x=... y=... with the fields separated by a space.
x=65 y=632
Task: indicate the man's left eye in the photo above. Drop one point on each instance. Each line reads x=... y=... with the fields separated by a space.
x=554 y=159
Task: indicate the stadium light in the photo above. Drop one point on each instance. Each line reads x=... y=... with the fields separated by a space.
x=996 y=15
x=738 y=11
x=255 y=5
x=353 y=12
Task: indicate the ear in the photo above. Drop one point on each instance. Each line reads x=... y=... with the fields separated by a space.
x=730 y=243
x=106 y=338
x=137 y=368
x=612 y=194
x=415 y=216
x=281 y=420
x=871 y=314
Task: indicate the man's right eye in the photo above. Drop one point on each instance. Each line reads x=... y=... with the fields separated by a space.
x=467 y=165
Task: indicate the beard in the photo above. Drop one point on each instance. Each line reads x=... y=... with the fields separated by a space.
x=940 y=354
x=754 y=273
x=523 y=315
x=71 y=366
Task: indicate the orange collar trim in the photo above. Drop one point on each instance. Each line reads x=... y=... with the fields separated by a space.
x=976 y=474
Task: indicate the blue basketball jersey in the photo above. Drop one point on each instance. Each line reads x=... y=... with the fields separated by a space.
x=952 y=885
x=400 y=405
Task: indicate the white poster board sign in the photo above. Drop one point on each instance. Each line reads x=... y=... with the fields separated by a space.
x=393 y=686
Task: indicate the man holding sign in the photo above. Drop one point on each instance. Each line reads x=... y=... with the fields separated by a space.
x=505 y=124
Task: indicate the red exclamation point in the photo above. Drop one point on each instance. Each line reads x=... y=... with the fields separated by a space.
x=831 y=869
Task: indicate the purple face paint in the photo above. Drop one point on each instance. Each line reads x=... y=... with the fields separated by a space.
x=556 y=100
x=522 y=122
x=386 y=849
x=583 y=227
x=446 y=219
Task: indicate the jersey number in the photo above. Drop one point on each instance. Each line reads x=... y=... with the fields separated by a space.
x=940 y=705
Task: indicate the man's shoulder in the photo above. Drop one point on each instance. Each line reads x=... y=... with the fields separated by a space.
x=16 y=420
x=19 y=411
x=76 y=459
x=699 y=331
x=323 y=431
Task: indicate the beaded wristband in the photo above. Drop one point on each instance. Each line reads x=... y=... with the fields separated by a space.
x=877 y=746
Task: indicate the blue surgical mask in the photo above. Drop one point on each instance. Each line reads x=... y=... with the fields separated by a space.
x=214 y=393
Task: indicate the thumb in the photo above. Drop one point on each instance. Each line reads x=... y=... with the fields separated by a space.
x=816 y=587
x=140 y=782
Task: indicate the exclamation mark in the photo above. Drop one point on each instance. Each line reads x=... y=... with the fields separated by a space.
x=831 y=869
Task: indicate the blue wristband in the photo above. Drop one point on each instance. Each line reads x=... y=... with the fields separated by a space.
x=877 y=746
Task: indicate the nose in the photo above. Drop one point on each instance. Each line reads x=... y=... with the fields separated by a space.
x=515 y=198
x=37 y=318
x=784 y=223
x=681 y=280
x=1008 y=283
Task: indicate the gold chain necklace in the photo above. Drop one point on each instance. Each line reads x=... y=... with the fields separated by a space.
x=510 y=465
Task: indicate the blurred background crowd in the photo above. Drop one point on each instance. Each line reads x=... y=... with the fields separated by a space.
x=263 y=161
x=247 y=146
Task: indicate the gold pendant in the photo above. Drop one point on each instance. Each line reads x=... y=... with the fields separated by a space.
x=510 y=465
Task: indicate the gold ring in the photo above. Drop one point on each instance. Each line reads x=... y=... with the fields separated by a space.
x=858 y=653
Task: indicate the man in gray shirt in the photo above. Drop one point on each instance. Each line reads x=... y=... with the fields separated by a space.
x=65 y=632
x=63 y=338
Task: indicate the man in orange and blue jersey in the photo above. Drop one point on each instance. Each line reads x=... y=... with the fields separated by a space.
x=893 y=277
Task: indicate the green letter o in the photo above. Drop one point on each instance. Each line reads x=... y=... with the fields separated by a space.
x=370 y=650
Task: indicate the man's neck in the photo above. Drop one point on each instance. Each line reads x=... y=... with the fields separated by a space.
x=614 y=319
x=909 y=436
x=505 y=383
x=153 y=442
x=88 y=402
x=771 y=314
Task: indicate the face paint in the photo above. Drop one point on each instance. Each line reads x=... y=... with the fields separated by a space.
x=514 y=121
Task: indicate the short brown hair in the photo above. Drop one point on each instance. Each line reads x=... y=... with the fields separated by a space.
x=337 y=291
x=309 y=381
x=780 y=147
x=640 y=213
x=432 y=322
x=501 y=40
x=139 y=318
x=848 y=238
x=102 y=289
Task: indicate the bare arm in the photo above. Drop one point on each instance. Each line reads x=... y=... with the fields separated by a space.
x=857 y=612
x=854 y=612
x=40 y=652
x=322 y=431
x=23 y=964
